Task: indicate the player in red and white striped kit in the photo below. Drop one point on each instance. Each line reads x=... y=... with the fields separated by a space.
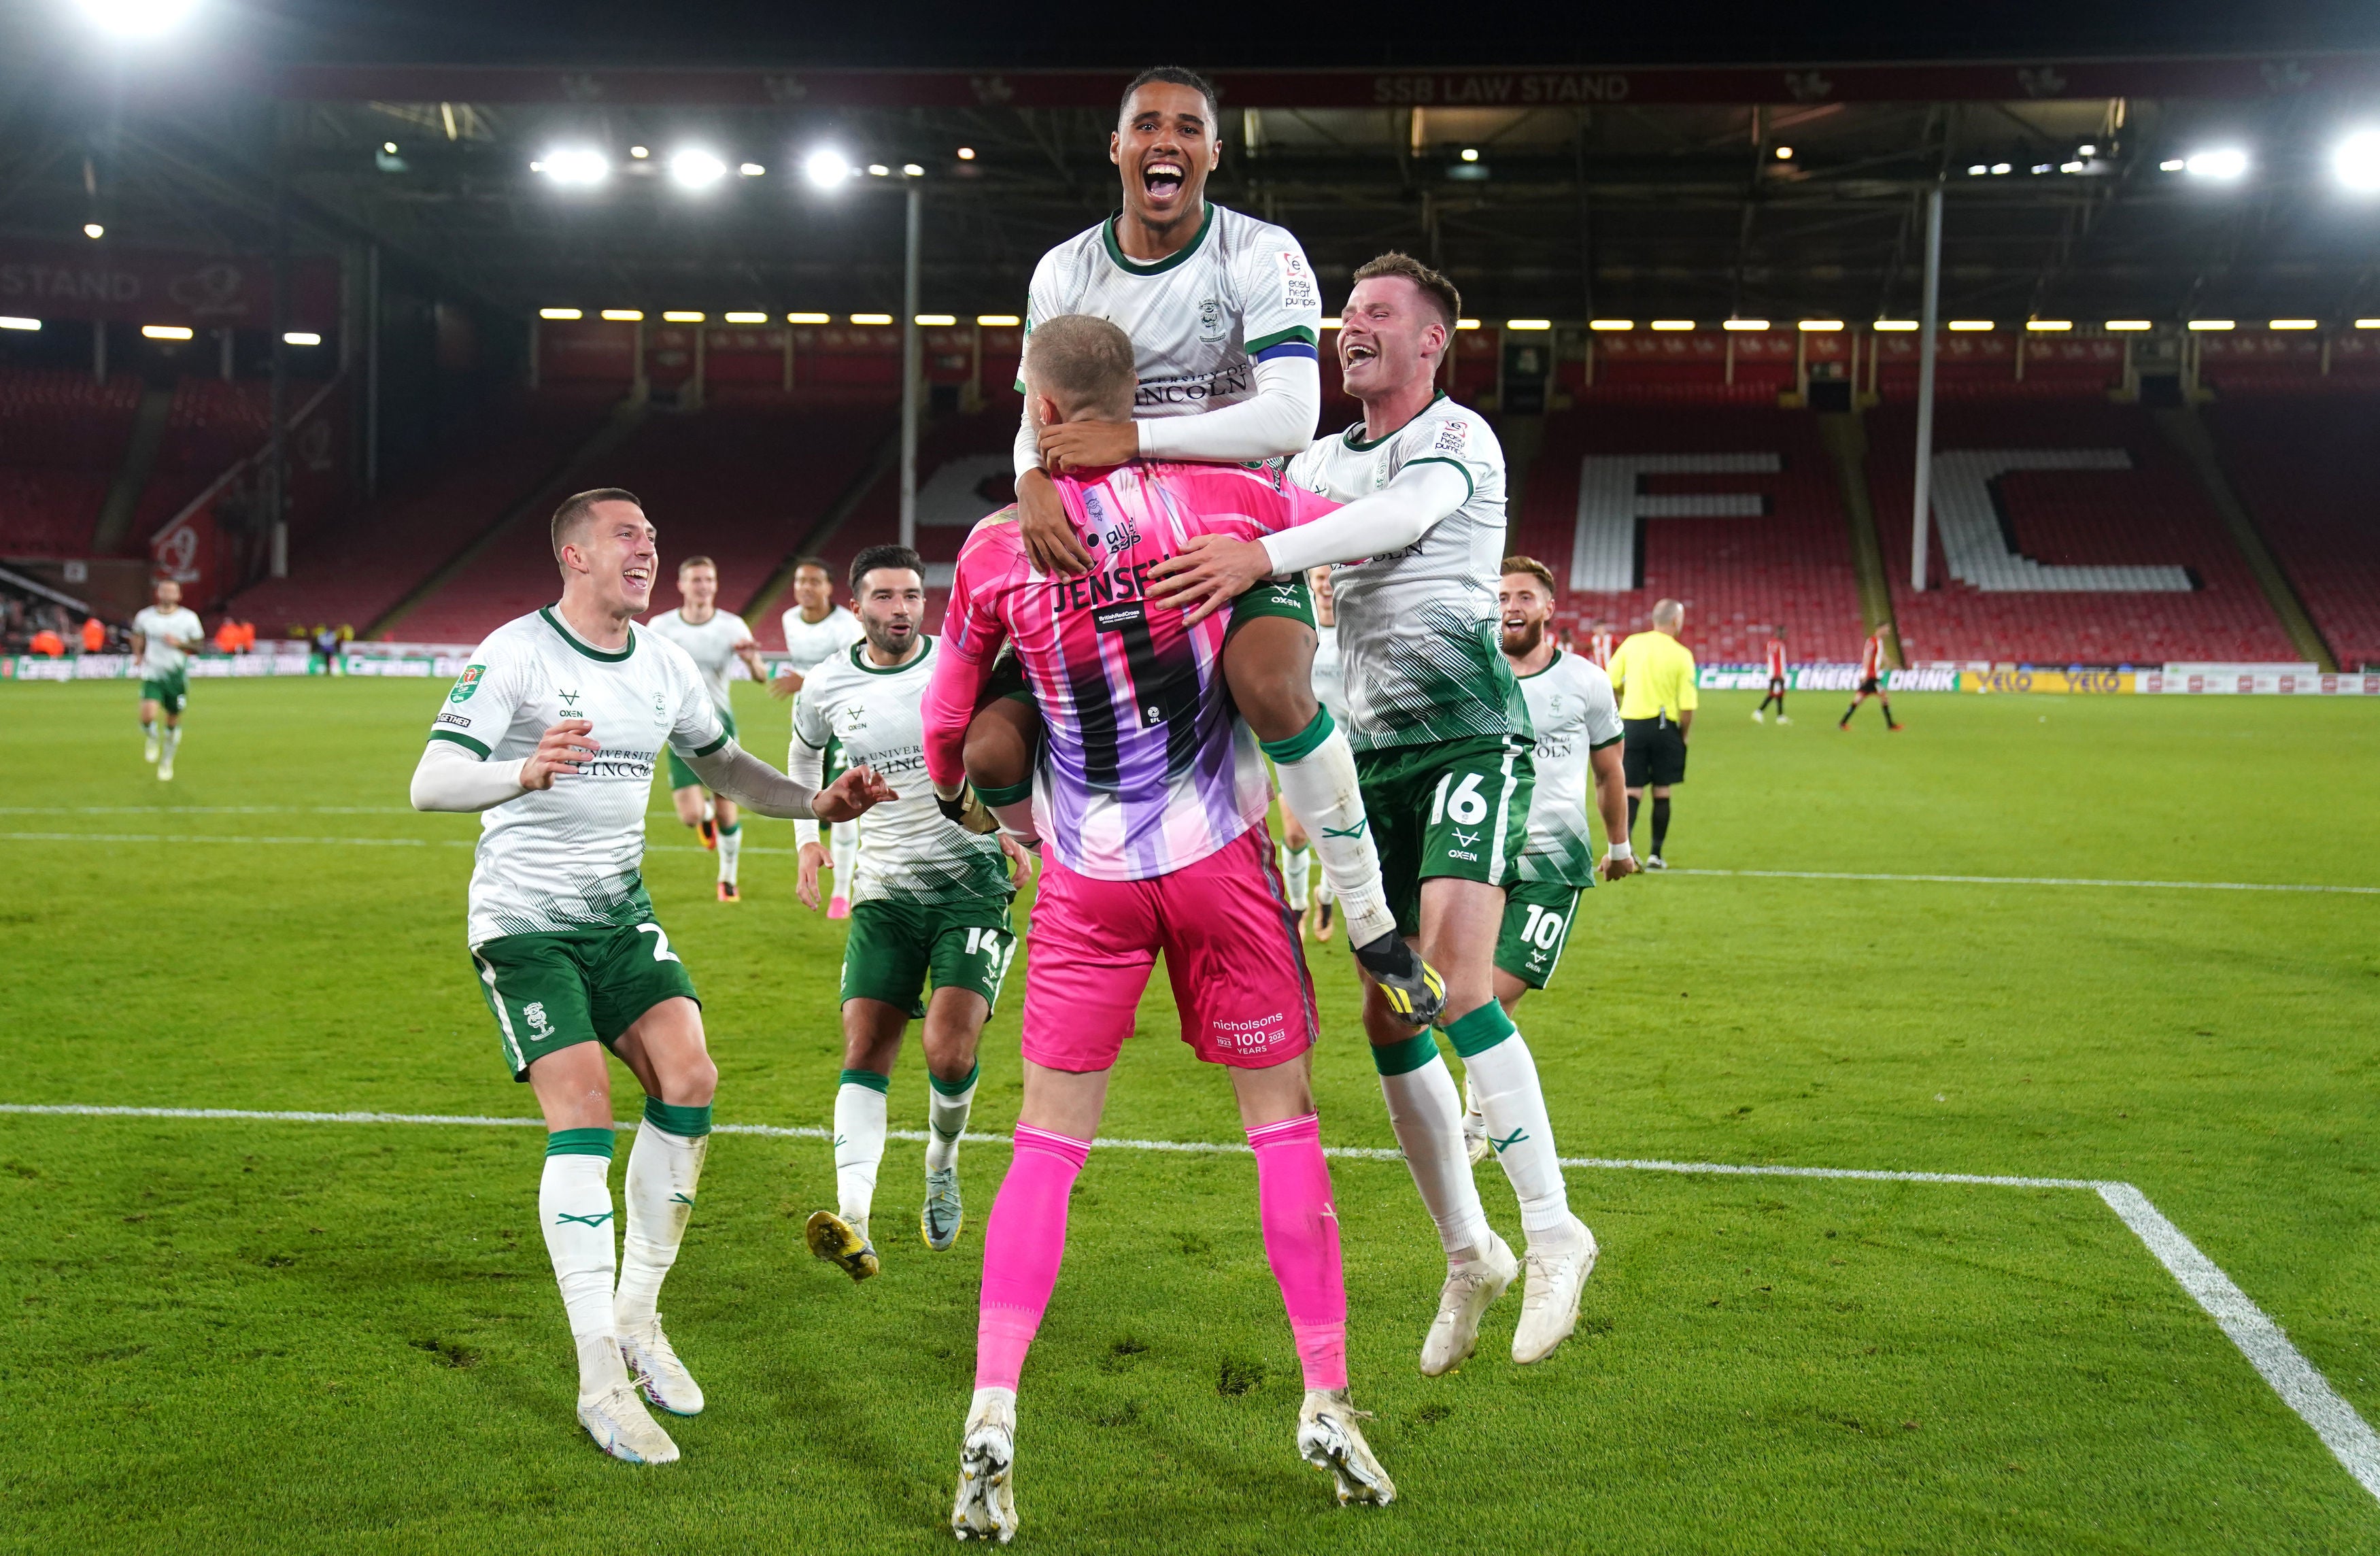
x=1871 y=683
x=1776 y=681
x=1599 y=644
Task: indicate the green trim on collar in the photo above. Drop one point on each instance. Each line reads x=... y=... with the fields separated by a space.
x=598 y=655
x=1131 y=266
x=1265 y=343
x=463 y=740
x=1550 y=664
x=1469 y=487
x=859 y=658
x=1360 y=446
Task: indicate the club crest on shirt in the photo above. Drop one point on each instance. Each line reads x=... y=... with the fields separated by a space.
x=1212 y=326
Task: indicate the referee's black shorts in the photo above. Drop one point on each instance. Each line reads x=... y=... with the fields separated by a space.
x=1655 y=752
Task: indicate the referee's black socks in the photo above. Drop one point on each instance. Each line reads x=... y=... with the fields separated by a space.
x=1634 y=801
x=1660 y=823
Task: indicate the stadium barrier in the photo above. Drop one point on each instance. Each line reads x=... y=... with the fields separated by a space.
x=2240 y=680
x=121 y=667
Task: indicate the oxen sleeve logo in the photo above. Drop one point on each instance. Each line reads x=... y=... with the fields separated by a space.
x=466 y=683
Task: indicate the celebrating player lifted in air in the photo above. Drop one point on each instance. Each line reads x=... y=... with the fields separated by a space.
x=931 y=897
x=1151 y=801
x=1442 y=740
x=713 y=639
x=816 y=630
x=1224 y=313
x=553 y=730
x=1578 y=732
x=164 y=636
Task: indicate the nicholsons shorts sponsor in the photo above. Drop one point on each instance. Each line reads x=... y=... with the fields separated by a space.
x=550 y=991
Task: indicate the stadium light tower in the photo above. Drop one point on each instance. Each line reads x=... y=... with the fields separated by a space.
x=826 y=168
x=696 y=169
x=2357 y=160
x=2222 y=162
x=576 y=166
x=139 y=18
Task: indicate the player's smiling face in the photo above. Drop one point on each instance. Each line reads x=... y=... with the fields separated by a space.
x=698 y=586
x=1164 y=146
x=813 y=591
x=1390 y=334
x=891 y=609
x=618 y=554
x=1526 y=609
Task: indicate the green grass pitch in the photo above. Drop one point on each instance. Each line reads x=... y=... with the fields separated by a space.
x=237 y=1335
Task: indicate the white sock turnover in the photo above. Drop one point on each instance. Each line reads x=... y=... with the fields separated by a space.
x=663 y=1171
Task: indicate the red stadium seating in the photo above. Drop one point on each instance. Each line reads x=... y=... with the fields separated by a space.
x=2306 y=464
x=354 y=571
x=1789 y=566
x=62 y=438
x=2150 y=515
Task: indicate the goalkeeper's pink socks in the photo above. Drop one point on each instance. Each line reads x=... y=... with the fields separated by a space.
x=1022 y=1243
x=1025 y=1242
x=1301 y=1234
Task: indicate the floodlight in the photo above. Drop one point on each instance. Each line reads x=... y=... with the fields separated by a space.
x=2357 y=160
x=2213 y=323
x=1673 y=323
x=560 y=313
x=2368 y=324
x=809 y=318
x=1528 y=323
x=1976 y=169
x=2002 y=168
x=2227 y=161
x=697 y=169
x=624 y=315
x=93 y=230
x=639 y=152
x=1894 y=326
x=2291 y=324
x=389 y=146
x=751 y=170
x=302 y=337
x=911 y=170
x=2069 y=167
x=7 y=323
x=1745 y=325
x=2086 y=151
x=1466 y=323
x=1471 y=153
x=937 y=321
x=745 y=317
x=1614 y=324
x=137 y=18
x=871 y=318
x=1010 y=320
x=2171 y=164
x=2127 y=326
x=1784 y=153
x=878 y=170
x=2048 y=326
x=577 y=165
x=166 y=331
x=1334 y=323
x=2042 y=166
x=966 y=153
x=1971 y=326
x=681 y=316
x=1819 y=326
x=826 y=169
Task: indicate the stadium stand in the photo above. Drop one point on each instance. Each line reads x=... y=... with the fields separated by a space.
x=1754 y=537
x=2306 y=464
x=2105 y=552
x=356 y=570
x=62 y=437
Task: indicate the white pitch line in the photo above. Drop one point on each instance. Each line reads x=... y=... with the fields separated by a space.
x=2301 y=1387
x=754 y=848
x=2034 y=880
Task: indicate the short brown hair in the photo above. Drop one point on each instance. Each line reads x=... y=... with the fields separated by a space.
x=575 y=511
x=1531 y=565
x=1439 y=290
x=1082 y=362
x=697 y=562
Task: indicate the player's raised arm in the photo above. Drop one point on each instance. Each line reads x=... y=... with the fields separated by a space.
x=972 y=634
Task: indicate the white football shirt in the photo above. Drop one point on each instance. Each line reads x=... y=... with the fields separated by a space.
x=809 y=642
x=572 y=856
x=1572 y=705
x=710 y=643
x=160 y=631
x=1200 y=319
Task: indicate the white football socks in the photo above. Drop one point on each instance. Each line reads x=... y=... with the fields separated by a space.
x=1503 y=1078
x=1296 y=874
x=167 y=741
x=730 y=848
x=1425 y=1111
x=1318 y=784
x=574 y=1209
x=844 y=840
x=946 y=1117
x=665 y=1168
x=858 y=1144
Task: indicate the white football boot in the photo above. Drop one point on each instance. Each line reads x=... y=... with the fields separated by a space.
x=617 y=1421
x=149 y=750
x=1469 y=1291
x=986 y=1508
x=1549 y=1299
x=165 y=769
x=1328 y=1438
x=660 y=1376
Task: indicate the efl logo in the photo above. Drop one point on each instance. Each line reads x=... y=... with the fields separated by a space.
x=466 y=683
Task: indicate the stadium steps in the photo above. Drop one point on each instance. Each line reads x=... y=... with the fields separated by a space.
x=2189 y=435
x=1845 y=437
x=626 y=417
x=884 y=463
x=115 y=515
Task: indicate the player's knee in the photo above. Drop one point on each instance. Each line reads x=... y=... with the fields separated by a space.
x=693 y=1082
x=1268 y=665
x=999 y=752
